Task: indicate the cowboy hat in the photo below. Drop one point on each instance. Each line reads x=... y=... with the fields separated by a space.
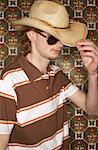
x=53 y=18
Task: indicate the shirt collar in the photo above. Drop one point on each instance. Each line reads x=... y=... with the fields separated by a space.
x=32 y=72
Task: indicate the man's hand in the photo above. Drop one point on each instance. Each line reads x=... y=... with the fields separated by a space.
x=89 y=55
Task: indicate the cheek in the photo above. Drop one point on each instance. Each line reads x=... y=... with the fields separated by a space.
x=40 y=43
x=42 y=46
x=42 y=49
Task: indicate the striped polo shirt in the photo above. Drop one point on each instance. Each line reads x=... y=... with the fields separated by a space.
x=33 y=106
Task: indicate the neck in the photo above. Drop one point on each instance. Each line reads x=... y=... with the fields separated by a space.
x=40 y=64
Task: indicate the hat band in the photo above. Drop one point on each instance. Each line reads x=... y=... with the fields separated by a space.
x=50 y=24
x=61 y=28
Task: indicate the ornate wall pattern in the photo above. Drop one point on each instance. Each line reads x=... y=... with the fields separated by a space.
x=83 y=128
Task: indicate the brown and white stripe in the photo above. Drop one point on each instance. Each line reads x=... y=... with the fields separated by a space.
x=49 y=143
x=31 y=109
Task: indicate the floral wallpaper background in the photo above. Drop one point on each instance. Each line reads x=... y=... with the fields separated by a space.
x=83 y=128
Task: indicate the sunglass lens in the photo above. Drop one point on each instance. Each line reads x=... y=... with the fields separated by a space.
x=52 y=40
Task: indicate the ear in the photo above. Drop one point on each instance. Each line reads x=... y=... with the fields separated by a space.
x=31 y=35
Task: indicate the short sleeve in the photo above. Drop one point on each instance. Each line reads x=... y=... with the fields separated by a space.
x=7 y=107
x=70 y=90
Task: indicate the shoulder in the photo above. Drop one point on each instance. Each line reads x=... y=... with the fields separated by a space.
x=8 y=73
x=10 y=68
x=13 y=75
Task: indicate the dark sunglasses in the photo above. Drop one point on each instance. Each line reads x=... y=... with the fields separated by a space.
x=51 y=40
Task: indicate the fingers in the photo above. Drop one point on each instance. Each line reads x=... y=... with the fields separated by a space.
x=87 y=46
x=87 y=49
x=88 y=54
x=85 y=43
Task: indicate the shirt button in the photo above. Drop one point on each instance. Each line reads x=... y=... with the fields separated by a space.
x=47 y=87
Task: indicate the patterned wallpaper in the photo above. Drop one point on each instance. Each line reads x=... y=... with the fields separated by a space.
x=83 y=128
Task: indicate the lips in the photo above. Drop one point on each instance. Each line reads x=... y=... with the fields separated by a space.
x=56 y=50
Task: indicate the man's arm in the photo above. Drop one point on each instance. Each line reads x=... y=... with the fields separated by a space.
x=4 y=138
x=89 y=55
x=89 y=102
x=92 y=95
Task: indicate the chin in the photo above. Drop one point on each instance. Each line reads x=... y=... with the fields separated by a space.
x=55 y=57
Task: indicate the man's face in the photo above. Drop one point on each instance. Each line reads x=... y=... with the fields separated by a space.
x=47 y=46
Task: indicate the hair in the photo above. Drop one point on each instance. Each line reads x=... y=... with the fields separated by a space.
x=25 y=44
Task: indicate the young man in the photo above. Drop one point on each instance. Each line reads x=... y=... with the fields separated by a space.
x=33 y=93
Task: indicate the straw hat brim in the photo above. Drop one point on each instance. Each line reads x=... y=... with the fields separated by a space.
x=68 y=36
